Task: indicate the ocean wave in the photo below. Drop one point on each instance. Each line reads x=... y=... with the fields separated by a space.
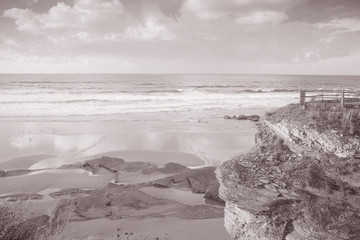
x=217 y=86
x=276 y=90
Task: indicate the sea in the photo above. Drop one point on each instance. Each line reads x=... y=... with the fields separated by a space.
x=89 y=95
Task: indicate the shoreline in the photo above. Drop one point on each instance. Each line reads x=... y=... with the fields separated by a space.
x=69 y=142
x=196 y=144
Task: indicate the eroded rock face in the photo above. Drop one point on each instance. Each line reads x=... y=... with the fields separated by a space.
x=297 y=183
x=330 y=141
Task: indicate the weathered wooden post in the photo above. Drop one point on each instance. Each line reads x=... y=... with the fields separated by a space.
x=302 y=99
x=343 y=98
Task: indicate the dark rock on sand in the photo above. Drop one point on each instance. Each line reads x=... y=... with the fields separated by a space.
x=115 y=165
x=212 y=192
x=253 y=118
x=116 y=202
x=198 y=180
x=173 y=168
x=111 y=164
x=13 y=173
x=158 y=185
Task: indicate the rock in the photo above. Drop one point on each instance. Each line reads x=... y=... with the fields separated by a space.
x=242 y=117
x=115 y=202
x=115 y=165
x=254 y=118
x=197 y=185
x=111 y=164
x=96 y=205
x=157 y=185
x=212 y=192
x=13 y=173
x=198 y=180
x=307 y=188
x=173 y=168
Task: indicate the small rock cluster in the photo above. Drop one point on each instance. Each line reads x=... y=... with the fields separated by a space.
x=253 y=118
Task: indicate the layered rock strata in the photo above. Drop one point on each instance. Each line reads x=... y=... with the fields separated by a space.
x=299 y=182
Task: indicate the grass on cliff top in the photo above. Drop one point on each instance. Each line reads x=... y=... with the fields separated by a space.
x=319 y=117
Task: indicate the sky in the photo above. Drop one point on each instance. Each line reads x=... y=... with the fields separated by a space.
x=180 y=36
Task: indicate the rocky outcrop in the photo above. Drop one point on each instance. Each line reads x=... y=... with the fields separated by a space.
x=201 y=181
x=115 y=202
x=299 y=182
x=115 y=165
x=253 y=118
x=331 y=141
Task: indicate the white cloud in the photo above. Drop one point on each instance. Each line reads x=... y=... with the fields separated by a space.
x=10 y=42
x=25 y=19
x=148 y=31
x=83 y=36
x=88 y=21
x=342 y=25
x=260 y=17
x=83 y=14
x=244 y=11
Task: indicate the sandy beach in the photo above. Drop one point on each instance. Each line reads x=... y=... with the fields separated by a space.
x=42 y=147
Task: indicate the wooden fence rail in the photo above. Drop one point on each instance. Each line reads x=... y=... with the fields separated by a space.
x=346 y=98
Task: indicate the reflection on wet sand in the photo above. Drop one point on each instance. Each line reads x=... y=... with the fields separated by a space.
x=51 y=145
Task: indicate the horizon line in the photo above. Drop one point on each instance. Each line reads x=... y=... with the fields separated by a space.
x=115 y=73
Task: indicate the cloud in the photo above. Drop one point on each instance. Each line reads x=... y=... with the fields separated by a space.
x=168 y=8
x=342 y=25
x=317 y=11
x=176 y=35
x=243 y=11
x=90 y=21
x=260 y=17
x=83 y=14
x=10 y=42
x=25 y=19
x=148 y=31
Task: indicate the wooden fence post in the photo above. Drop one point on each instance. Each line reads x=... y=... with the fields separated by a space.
x=302 y=98
x=342 y=98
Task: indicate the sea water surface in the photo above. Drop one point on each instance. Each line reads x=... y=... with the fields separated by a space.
x=69 y=95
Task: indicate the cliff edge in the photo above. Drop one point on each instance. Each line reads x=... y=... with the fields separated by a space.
x=301 y=180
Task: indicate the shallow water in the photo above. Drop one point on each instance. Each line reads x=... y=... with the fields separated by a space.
x=39 y=145
x=181 y=196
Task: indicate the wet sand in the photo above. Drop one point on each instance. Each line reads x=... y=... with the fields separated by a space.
x=37 y=145
x=193 y=142
x=177 y=229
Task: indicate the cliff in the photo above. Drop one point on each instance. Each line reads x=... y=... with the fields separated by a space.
x=301 y=180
